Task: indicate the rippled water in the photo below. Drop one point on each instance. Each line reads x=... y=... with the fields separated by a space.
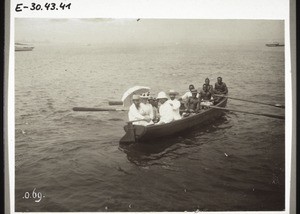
x=75 y=160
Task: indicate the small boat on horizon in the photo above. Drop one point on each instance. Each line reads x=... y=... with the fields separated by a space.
x=274 y=44
x=23 y=47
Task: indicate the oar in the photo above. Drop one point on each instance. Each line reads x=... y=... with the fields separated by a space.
x=96 y=109
x=251 y=101
x=247 y=112
x=115 y=103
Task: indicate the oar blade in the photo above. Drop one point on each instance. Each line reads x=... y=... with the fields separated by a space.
x=115 y=103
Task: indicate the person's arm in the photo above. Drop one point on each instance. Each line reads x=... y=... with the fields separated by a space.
x=151 y=112
x=226 y=89
x=177 y=105
x=134 y=114
x=200 y=96
x=187 y=104
x=185 y=96
x=169 y=116
x=198 y=105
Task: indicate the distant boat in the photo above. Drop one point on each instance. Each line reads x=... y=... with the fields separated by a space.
x=274 y=44
x=23 y=47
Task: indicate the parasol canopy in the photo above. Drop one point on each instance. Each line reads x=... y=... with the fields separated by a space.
x=127 y=96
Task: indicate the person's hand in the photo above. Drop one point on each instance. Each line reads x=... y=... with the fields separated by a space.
x=148 y=119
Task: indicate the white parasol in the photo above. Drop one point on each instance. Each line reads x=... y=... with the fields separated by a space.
x=127 y=96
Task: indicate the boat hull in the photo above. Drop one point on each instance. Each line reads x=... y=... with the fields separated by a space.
x=148 y=133
x=274 y=45
x=24 y=48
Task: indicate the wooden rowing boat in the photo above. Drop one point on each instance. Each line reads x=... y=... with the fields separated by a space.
x=138 y=134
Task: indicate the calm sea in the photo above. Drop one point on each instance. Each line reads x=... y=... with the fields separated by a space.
x=73 y=161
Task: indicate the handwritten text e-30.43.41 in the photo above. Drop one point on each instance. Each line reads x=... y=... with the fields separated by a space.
x=38 y=7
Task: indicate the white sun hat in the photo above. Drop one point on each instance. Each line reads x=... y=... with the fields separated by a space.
x=162 y=95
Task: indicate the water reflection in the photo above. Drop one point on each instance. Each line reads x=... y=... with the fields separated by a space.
x=145 y=154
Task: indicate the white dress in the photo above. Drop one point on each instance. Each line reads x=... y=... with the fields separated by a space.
x=134 y=114
x=166 y=113
x=175 y=104
x=146 y=110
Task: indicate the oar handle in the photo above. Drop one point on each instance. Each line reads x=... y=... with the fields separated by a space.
x=115 y=103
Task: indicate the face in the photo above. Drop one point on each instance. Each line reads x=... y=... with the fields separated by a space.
x=194 y=95
x=191 y=88
x=207 y=81
x=136 y=102
x=172 y=96
x=219 y=80
x=144 y=100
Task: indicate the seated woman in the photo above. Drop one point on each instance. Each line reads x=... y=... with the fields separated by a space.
x=146 y=108
x=134 y=114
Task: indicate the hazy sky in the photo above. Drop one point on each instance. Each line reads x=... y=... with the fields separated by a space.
x=89 y=31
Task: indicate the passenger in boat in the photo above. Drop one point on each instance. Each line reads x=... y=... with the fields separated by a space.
x=175 y=104
x=134 y=114
x=188 y=94
x=205 y=97
x=220 y=89
x=146 y=108
x=154 y=104
x=209 y=87
x=192 y=105
x=165 y=110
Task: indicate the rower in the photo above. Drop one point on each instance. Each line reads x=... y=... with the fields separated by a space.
x=220 y=89
x=209 y=87
x=205 y=96
x=134 y=114
x=175 y=104
x=192 y=105
x=165 y=110
x=188 y=94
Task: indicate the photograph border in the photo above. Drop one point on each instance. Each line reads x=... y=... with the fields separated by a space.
x=290 y=67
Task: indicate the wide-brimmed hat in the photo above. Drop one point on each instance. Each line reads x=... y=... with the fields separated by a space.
x=135 y=97
x=173 y=92
x=194 y=91
x=162 y=95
